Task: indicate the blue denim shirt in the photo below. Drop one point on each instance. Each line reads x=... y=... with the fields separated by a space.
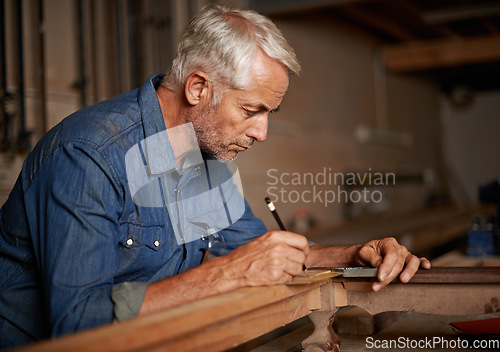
x=70 y=231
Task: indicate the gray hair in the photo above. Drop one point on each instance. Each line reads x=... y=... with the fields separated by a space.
x=223 y=42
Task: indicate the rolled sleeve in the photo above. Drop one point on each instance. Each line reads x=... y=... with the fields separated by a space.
x=127 y=299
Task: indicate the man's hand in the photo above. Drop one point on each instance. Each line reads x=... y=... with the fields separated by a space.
x=391 y=258
x=270 y=259
x=273 y=258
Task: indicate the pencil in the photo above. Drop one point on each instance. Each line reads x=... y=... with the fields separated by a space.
x=273 y=210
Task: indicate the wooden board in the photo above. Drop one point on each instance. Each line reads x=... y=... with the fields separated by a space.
x=441 y=53
x=313 y=276
x=212 y=324
x=452 y=275
x=224 y=321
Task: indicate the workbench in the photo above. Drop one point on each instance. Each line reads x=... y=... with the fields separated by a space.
x=227 y=320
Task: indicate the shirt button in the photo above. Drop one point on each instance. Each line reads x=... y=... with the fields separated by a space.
x=130 y=241
x=156 y=243
x=197 y=168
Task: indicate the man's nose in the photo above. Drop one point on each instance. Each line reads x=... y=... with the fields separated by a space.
x=258 y=128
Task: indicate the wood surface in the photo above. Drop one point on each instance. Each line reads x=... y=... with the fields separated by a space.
x=458 y=275
x=452 y=275
x=212 y=324
x=442 y=291
x=446 y=291
x=430 y=54
x=442 y=299
x=313 y=276
x=224 y=321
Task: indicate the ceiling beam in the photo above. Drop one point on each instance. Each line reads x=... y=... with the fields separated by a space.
x=387 y=25
x=460 y=13
x=280 y=7
x=423 y=55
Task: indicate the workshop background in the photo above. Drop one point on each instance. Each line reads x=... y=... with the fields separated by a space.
x=409 y=88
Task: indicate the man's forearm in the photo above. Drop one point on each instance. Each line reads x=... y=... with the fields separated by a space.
x=218 y=276
x=202 y=281
x=270 y=259
x=332 y=256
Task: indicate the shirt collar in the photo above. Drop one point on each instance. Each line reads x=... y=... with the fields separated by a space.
x=159 y=153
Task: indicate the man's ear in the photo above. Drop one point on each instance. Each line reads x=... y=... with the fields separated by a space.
x=198 y=88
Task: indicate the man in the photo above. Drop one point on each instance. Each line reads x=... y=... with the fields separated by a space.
x=109 y=218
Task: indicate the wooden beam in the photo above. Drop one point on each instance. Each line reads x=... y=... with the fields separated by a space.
x=280 y=7
x=213 y=324
x=224 y=321
x=432 y=54
x=430 y=298
x=442 y=299
x=457 y=275
x=385 y=24
x=444 y=291
x=460 y=13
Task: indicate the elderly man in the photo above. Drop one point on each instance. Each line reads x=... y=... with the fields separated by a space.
x=116 y=206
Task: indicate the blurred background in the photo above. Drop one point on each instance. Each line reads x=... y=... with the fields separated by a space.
x=407 y=88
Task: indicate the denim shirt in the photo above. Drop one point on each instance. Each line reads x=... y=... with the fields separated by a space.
x=70 y=232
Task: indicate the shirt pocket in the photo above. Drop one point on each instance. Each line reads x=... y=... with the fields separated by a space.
x=139 y=236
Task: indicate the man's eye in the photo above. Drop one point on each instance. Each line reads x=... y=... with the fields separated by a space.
x=250 y=113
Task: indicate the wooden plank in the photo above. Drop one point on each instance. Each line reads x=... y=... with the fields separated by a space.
x=445 y=275
x=313 y=275
x=460 y=13
x=226 y=320
x=442 y=291
x=244 y=327
x=452 y=291
x=458 y=275
x=211 y=319
x=422 y=55
x=445 y=299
